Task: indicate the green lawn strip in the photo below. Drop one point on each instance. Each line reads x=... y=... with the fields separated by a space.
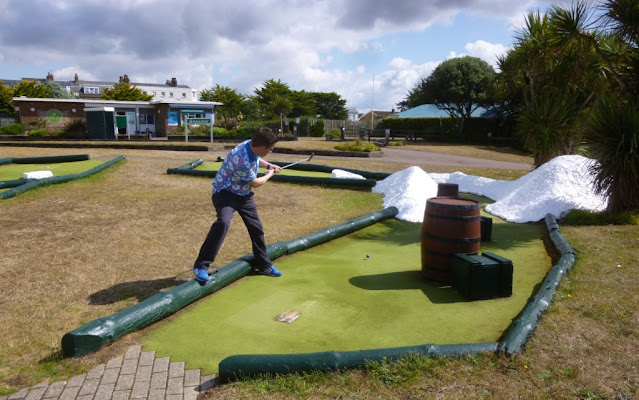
x=350 y=302
x=16 y=171
x=286 y=172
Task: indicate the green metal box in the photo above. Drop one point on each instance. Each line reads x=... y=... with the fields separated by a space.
x=481 y=277
x=486 y=228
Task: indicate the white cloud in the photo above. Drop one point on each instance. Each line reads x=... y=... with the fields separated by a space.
x=311 y=45
x=488 y=52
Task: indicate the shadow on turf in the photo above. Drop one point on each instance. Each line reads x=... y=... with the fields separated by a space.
x=439 y=293
x=141 y=290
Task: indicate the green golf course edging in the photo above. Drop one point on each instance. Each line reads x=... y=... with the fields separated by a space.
x=525 y=324
x=22 y=185
x=50 y=159
x=95 y=334
x=247 y=365
x=370 y=178
x=251 y=365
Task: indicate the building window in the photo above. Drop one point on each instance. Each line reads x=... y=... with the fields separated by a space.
x=171 y=94
x=163 y=94
x=184 y=95
x=92 y=89
x=146 y=118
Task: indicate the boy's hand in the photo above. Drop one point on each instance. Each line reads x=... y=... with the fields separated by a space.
x=275 y=168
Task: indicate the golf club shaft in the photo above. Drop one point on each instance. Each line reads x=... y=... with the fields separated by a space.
x=297 y=162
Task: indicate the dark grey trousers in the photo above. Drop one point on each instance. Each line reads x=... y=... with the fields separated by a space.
x=226 y=203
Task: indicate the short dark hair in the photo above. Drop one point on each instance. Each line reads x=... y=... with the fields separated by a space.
x=264 y=137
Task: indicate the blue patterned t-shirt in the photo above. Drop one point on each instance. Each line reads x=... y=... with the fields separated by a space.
x=238 y=169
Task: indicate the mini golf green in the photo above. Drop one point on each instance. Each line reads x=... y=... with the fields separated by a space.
x=349 y=301
x=286 y=172
x=15 y=171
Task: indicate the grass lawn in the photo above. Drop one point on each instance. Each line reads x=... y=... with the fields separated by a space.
x=113 y=239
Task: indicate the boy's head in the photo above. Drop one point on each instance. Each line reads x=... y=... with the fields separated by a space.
x=264 y=137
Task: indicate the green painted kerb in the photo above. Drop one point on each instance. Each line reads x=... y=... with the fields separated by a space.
x=370 y=178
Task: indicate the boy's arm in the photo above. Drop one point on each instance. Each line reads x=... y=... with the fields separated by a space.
x=257 y=182
x=267 y=165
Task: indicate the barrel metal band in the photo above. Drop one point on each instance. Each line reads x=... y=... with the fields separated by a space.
x=452 y=206
x=454 y=218
x=456 y=240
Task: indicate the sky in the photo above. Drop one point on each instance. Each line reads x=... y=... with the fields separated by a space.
x=370 y=52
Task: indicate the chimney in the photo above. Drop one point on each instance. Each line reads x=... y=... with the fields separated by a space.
x=173 y=81
x=50 y=76
x=75 y=78
x=126 y=78
x=121 y=79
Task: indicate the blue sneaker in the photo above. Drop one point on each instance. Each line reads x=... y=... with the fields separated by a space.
x=201 y=274
x=270 y=271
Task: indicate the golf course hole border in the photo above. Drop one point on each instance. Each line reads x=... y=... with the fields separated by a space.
x=100 y=332
x=370 y=178
x=22 y=185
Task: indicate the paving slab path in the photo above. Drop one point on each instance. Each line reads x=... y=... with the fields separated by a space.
x=135 y=375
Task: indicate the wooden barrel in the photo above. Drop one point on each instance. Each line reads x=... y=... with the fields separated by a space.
x=447 y=190
x=451 y=225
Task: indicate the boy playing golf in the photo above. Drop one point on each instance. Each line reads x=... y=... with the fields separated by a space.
x=232 y=192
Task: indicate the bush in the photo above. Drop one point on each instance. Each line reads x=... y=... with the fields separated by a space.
x=357 y=145
x=38 y=133
x=12 y=129
x=335 y=134
x=74 y=129
x=317 y=129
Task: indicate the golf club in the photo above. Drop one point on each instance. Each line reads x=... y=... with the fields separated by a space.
x=297 y=162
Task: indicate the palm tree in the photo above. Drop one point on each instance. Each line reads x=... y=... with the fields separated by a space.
x=281 y=106
x=612 y=130
x=551 y=86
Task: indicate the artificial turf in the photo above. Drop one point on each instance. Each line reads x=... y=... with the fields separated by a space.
x=287 y=172
x=349 y=301
x=15 y=171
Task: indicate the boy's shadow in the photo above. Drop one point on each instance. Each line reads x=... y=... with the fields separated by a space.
x=141 y=290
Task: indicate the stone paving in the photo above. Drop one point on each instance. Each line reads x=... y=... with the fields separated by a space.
x=136 y=375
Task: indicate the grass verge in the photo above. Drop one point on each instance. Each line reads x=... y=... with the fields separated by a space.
x=75 y=252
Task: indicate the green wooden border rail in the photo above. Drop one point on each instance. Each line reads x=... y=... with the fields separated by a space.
x=370 y=178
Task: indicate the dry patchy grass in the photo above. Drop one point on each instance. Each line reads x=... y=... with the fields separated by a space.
x=74 y=252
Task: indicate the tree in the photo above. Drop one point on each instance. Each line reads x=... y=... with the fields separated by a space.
x=552 y=87
x=6 y=95
x=229 y=114
x=24 y=88
x=266 y=95
x=31 y=89
x=330 y=105
x=56 y=92
x=124 y=91
x=612 y=129
x=458 y=86
x=303 y=104
x=280 y=105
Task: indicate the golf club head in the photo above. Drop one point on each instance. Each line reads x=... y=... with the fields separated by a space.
x=309 y=159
